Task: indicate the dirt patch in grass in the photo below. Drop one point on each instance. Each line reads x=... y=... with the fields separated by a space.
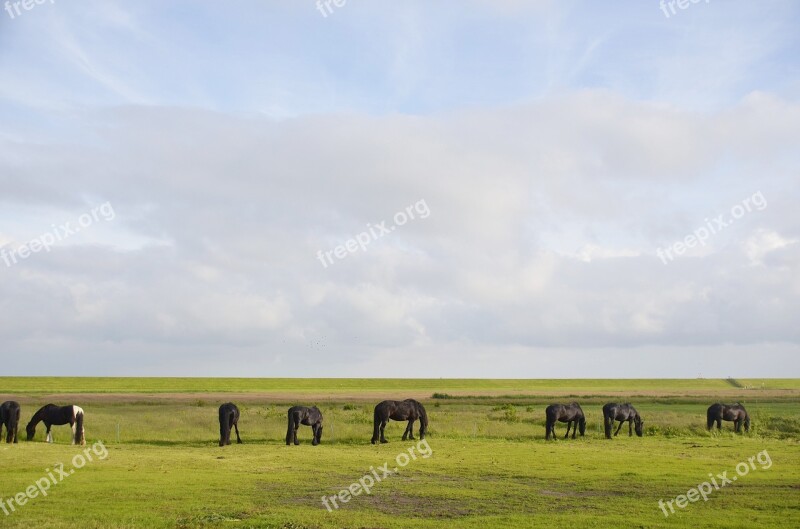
x=578 y=494
x=400 y=504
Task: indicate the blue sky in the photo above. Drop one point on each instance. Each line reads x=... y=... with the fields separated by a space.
x=558 y=145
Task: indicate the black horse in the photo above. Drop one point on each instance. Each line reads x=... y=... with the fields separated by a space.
x=53 y=415
x=228 y=418
x=728 y=412
x=399 y=410
x=308 y=416
x=9 y=417
x=571 y=413
x=622 y=413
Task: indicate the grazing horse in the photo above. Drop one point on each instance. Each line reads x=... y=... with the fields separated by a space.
x=399 y=410
x=571 y=413
x=228 y=418
x=9 y=417
x=728 y=412
x=308 y=416
x=622 y=413
x=58 y=415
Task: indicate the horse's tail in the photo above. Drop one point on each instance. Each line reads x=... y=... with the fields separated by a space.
x=80 y=437
x=224 y=424
x=710 y=417
x=423 y=420
x=12 y=425
x=746 y=421
x=607 y=421
x=16 y=423
x=550 y=420
x=377 y=417
x=290 y=428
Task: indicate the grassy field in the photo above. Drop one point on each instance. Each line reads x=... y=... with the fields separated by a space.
x=488 y=467
x=334 y=386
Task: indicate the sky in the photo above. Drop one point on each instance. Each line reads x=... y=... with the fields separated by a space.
x=460 y=188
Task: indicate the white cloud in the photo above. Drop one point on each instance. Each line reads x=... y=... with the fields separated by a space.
x=547 y=204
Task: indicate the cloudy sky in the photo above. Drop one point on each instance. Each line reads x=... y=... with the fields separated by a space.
x=540 y=188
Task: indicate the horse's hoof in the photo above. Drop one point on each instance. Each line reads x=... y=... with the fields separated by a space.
x=384 y=441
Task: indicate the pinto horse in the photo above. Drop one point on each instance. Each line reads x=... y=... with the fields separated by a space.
x=622 y=413
x=728 y=412
x=58 y=415
x=308 y=416
x=228 y=418
x=399 y=410
x=571 y=413
x=9 y=417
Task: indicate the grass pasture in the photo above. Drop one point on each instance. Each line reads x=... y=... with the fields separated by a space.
x=490 y=466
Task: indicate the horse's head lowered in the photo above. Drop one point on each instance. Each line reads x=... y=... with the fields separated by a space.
x=638 y=424
x=30 y=430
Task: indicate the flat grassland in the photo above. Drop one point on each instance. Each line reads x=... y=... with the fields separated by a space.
x=489 y=467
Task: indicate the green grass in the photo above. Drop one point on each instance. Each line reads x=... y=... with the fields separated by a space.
x=47 y=385
x=490 y=466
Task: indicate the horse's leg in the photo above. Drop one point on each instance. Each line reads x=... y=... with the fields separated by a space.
x=618 y=428
x=409 y=430
x=314 y=428
x=574 y=428
x=569 y=423
x=296 y=427
x=49 y=435
x=719 y=424
x=383 y=427
x=236 y=426
x=630 y=427
x=376 y=423
x=318 y=435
